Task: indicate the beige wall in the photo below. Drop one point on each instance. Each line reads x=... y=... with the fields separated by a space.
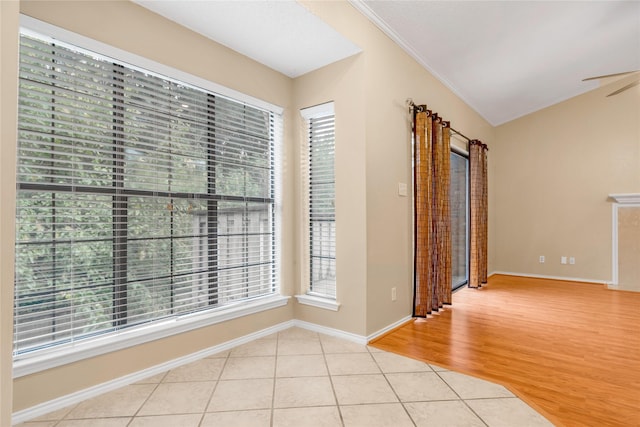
x=158 y=39
x=389 y=77
x=553 y=170
x=8 y=106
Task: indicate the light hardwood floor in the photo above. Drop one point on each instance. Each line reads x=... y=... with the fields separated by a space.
x=570 y=350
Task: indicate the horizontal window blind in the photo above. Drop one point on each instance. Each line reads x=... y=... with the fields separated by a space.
x=322 y=221
x=139 y=198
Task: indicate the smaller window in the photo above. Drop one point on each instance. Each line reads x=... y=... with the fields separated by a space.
x=319 y=187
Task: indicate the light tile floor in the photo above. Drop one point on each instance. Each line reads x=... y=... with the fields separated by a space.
x=301 y=378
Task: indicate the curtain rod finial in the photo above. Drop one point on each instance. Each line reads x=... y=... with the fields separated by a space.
x=409 y=104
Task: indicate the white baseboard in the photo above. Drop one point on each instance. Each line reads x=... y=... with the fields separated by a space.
x=358 y=339
x=540 y=276
x=389 y=328
x=79 y=396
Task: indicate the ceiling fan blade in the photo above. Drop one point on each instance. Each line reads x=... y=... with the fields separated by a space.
x=609 y=75
x=622 y=89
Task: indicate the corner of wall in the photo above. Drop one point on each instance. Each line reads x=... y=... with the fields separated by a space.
x=9 y=25
x=340 y=82
x=553 y=170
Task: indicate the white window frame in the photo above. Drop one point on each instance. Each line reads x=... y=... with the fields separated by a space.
x=309 y=297
x=29 y=363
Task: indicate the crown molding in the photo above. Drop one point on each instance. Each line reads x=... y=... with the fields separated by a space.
x=362 y=7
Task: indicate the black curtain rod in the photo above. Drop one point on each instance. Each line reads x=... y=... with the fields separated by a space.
x=420 y=108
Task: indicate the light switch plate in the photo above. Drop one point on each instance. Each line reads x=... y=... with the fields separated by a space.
x=402 y=189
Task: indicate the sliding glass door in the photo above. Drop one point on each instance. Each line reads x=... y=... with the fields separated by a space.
x=459 y=219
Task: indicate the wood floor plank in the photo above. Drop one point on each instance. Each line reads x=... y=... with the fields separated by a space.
x=570 y=350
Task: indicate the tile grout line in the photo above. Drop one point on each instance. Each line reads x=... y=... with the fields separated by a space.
x=384 y=374
x=58 y=421
x=148 y=397
x=275 y=378
x=333 y=389
x=224 y=364
x=131 y=417
x=460 y=397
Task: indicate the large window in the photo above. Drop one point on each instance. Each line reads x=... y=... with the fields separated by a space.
x=459 y=219
x=140 y=198
x=320 y=189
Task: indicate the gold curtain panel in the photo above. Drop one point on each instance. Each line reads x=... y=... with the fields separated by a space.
x=432 y=214
x=478 y=195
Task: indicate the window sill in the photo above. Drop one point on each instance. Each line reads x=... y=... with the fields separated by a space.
x=320 y=302
x=27 y=364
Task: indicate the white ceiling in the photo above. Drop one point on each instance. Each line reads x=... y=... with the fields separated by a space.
x=509 y=58
x=503 y=58
x=281 y=34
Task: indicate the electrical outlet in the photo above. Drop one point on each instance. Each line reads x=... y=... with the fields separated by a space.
x=572 y=260
x=393 y=294
x=563 y=260
x=541 y=259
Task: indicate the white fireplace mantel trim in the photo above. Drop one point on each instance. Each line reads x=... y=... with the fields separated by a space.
x=626 y=199
x=620 y=201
